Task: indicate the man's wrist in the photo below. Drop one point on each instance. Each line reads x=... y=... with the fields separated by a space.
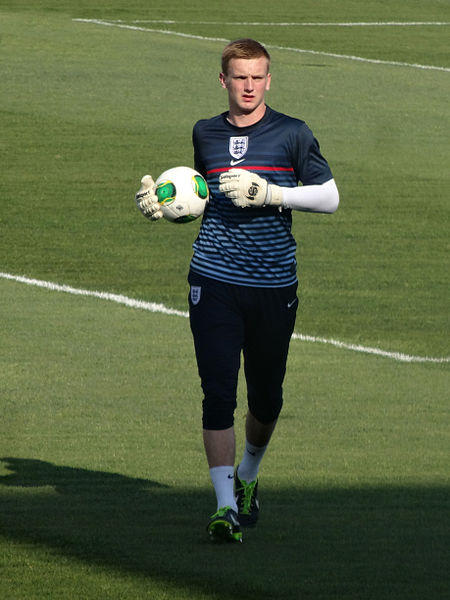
x=274 y=196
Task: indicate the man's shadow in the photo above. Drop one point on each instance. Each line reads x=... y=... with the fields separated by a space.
x=126 y=523
x=29 y=473
x=327 y=543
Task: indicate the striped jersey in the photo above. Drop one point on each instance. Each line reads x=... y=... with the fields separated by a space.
x=252 y=246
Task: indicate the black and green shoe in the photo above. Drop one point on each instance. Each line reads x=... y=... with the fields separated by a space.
x=247 y=501
x=224 y=526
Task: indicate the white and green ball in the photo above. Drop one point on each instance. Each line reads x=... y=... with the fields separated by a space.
x=182 y=193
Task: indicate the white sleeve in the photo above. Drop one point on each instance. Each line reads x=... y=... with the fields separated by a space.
x=314 y=198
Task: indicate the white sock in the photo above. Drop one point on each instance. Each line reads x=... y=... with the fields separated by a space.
x=223 y=482
x=249 y=465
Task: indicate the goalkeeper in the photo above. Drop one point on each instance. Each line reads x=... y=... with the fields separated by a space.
x=243 y=282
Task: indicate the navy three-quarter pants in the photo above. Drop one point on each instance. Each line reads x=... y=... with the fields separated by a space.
x=227 y=320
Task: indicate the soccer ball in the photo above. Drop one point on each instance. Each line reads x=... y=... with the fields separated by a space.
x=182 y=194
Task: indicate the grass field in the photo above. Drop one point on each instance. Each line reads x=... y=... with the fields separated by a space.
x=104 y=490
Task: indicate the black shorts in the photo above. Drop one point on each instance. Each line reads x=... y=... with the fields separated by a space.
x=228 y=319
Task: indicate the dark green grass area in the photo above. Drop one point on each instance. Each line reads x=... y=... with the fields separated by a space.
x=370 y=543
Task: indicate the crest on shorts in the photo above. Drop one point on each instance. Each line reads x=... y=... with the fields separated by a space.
x=196 y=291
x=238 y=146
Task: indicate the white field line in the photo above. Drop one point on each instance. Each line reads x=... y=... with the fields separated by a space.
x=399 y=356
x=118 y=298
x=160 y=308
x=121 y=25
x=298 y=24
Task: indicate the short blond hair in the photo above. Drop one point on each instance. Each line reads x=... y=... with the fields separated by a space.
x=243 y=48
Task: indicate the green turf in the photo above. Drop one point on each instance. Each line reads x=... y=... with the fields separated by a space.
x=100 y=404
x=87 y=110
x=103 y=483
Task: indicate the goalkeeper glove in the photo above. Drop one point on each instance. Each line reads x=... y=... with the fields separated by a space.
x=245 y=188
x=147 y=200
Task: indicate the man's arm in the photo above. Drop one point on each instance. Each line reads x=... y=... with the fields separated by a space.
x=245 y=188
x=322 y=198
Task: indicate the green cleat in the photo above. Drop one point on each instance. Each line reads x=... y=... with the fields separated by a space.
x=224 y=526
x=247 y=501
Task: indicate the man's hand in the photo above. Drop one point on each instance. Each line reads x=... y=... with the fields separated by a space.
x=245 y=188
x=147 y=200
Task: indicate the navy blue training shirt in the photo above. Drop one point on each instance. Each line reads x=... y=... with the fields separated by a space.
x=252 y=246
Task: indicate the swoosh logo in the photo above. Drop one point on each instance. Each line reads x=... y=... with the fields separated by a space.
x=236 y=162
x=290 y=304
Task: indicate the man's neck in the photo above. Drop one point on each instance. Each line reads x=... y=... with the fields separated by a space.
x=246 y=119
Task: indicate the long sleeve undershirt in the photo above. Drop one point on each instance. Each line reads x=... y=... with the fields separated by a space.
x=314 y=198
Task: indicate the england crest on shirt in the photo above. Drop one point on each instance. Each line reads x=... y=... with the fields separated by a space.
x=238 y=146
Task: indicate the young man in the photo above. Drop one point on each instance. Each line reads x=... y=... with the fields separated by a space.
x=243 y=278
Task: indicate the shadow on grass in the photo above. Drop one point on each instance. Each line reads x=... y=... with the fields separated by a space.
x=331 y=543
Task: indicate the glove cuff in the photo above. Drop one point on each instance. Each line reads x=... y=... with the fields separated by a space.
x=274 y=195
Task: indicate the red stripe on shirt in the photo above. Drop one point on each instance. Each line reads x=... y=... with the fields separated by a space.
x=253 y=168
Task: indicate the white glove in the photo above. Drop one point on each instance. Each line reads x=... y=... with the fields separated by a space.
x=147 y=200
x=245 y=188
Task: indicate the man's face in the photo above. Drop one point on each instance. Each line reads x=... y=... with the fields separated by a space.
x=247 y=81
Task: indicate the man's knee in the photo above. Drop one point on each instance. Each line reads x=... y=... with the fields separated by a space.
x=218 y=413
x=265 y=406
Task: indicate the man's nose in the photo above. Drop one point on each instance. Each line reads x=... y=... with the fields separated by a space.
x=249 y=83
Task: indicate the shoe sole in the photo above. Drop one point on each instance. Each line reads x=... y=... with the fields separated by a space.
x=222 y=531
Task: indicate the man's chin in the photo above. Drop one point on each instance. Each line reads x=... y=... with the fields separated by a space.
x=248 y=107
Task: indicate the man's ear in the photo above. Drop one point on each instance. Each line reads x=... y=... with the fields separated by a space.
x=222 y=80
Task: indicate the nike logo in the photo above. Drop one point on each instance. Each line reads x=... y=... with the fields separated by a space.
x=292 y=303
x=233 y=163
x=230 y=476
x=235 y=522
x=252 y=453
